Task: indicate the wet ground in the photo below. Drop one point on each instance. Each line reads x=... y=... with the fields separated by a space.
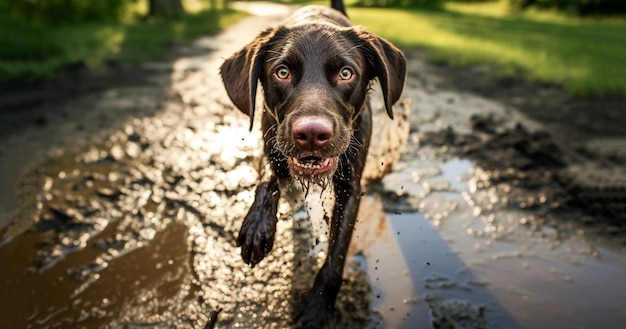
x=123 y=191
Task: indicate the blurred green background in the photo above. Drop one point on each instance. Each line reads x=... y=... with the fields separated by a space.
x=580 y=44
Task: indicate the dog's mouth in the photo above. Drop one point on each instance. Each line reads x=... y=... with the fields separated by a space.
x=310 y=166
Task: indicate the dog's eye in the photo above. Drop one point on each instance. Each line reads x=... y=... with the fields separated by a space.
x=282 y=72
x=346 y=73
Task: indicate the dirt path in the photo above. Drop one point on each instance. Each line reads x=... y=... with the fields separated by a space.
x=123 y=191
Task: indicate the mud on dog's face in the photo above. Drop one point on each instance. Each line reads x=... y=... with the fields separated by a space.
x=314 y=87
x=315 y=80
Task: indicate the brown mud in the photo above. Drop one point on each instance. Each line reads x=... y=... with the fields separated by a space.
x=123 y=191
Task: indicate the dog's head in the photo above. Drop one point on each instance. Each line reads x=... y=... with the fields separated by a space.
x=315 y=80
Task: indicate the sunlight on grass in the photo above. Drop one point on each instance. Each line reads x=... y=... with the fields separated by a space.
x=91 y=44
x=586 y=56
x=501 y=9
x=36 y=52
x=490 y=9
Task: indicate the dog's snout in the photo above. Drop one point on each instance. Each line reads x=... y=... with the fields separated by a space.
x=312 y=132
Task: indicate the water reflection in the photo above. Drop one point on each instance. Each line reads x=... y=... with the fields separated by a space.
x=509 y=266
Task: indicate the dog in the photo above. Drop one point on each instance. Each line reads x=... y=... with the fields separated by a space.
x=316 y=71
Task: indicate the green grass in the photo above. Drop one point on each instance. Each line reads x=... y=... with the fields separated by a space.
x=31 y=52
x=587 y=56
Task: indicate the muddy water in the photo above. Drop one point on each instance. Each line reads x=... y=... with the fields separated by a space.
x=136 y=230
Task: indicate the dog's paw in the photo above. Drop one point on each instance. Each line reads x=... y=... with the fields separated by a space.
x=314 y=313
x=256 y=237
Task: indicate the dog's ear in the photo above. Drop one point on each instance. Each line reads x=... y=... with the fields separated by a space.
x=242 y=71
x=388 y=64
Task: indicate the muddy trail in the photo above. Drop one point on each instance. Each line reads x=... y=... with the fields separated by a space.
x=123 y=192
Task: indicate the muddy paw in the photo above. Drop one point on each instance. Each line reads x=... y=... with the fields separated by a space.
x=314 y=313
x=256 y=237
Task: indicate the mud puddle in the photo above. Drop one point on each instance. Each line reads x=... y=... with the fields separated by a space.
x=474 y=227
x=454 y=263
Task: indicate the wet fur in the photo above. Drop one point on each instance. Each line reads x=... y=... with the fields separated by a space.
x=315 y=44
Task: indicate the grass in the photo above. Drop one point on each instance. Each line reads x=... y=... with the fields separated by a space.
x=32 y=52
x=587 y=56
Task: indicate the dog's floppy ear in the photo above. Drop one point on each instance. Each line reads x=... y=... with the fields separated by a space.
x=388 y=64
x=242 y=71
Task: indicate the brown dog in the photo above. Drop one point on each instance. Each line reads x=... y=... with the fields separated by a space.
x=316 y=70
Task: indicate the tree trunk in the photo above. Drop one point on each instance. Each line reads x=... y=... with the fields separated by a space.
x=165 y=8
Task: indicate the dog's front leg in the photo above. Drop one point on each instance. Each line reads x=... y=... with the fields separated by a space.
x=320 y=301
x=256 y=237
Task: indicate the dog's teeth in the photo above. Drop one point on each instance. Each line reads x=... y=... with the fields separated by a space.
x=312 y=165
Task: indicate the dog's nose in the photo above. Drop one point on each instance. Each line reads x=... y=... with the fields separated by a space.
x=312 y=132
